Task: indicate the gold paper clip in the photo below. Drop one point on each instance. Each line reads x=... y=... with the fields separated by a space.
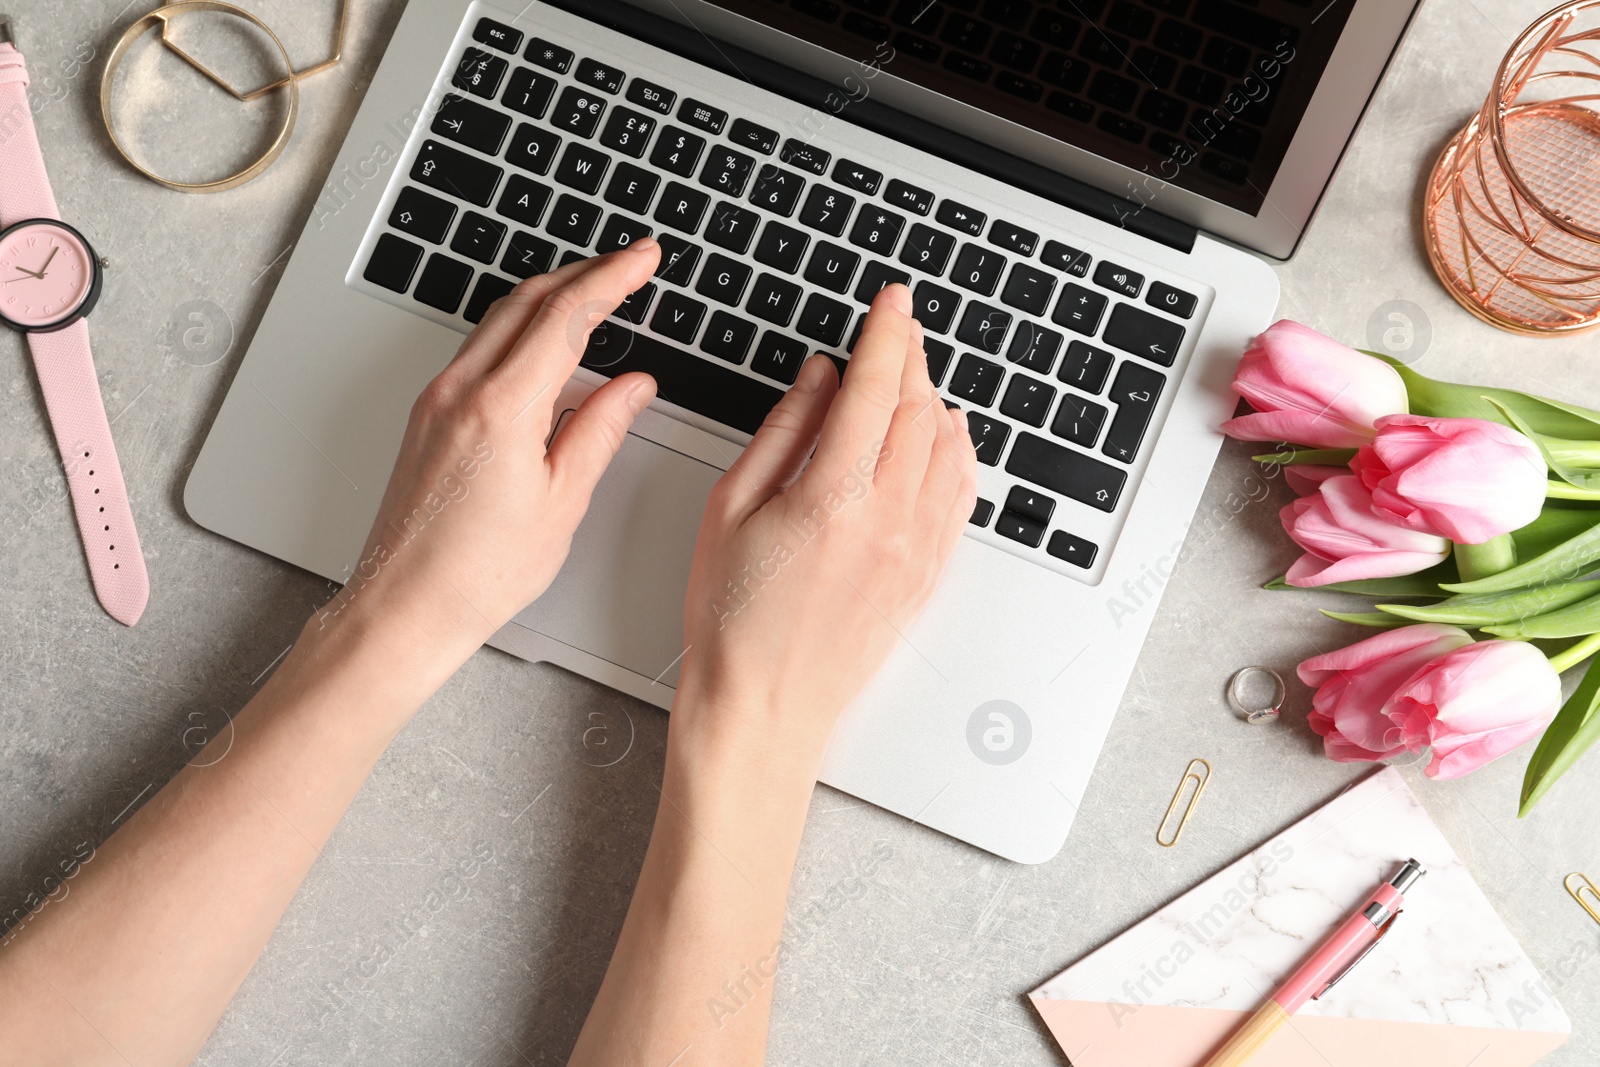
x=1200 y=780
x=1584 y=886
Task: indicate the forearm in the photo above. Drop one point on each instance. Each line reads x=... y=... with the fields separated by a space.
x=160 y=928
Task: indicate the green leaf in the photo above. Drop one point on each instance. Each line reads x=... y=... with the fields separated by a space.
x=1425 y=584
x=1575 y=620
x=1493 y=609
x=1561 y=564
x=1575 y=727
x=1449 y=400
x=1328 y=457
x=1376 y=619
x=1571 y=475
x=1555 y=526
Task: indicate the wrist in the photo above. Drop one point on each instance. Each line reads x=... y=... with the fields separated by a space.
x=743 y=737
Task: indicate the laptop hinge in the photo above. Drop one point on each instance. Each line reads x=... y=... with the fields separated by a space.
x=898 y=125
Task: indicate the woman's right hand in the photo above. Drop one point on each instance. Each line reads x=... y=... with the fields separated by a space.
x=805 y=574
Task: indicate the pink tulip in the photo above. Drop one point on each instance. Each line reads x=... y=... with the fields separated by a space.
x=1312 y=391
x=1306 y=478
x=1345 y=541
x=1354 y=684
x=1466 y=479
x=1430 y=686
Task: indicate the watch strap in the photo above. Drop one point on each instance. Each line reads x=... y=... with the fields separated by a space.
x=67 y=376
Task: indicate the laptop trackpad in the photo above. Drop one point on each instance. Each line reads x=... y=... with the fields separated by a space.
x=620 y=594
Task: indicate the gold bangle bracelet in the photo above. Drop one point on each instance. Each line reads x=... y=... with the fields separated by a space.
x=161 y=15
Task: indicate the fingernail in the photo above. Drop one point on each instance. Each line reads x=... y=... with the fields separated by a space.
x=900 y=299
x=811 y=373
x=643 y=244
x=641 y=394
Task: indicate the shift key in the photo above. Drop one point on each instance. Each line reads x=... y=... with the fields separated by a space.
x=1135 y=391
x=1061 y=470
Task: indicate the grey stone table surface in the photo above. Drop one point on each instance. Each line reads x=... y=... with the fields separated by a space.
x=908 y=947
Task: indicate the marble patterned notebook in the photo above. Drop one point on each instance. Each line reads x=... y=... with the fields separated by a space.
x=1448 y=985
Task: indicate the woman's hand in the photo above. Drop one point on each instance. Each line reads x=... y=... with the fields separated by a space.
x=802 y=582
x=479 y=515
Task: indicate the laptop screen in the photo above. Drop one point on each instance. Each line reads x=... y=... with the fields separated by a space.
x=1202 y=94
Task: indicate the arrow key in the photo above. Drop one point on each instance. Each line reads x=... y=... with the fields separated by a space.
x=1135 y=330
x=1135 y=391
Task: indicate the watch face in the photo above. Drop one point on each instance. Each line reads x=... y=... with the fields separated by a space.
x=47 y=274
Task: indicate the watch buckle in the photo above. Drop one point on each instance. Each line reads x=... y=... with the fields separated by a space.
x=8 y=33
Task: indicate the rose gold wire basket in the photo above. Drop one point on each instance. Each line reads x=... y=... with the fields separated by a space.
x=1513 y=206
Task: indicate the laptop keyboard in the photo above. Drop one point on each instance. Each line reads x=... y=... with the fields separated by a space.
x=543 y=151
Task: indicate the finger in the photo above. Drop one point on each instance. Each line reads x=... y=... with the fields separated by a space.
x=784 y=442
x=904 y=464
x=951 y=487
x=543 y=357
x=590 y=440
x=859 y=420
x=506 y=320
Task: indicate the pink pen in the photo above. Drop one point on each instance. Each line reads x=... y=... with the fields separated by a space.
x=1356 y=937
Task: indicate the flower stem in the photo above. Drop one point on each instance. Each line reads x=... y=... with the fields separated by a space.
x=1563 y=491
x=1568 y=658
x=1573 y=453
x=1480 y=561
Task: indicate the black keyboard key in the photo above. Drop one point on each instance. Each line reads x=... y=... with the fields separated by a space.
x=727 y=171
x=774 y=299
x=978 y=268
x=777 y=190
x=1065 y=258
x=470 y=123
x=678 y=260
x=573 y=220
x=678 y=151
x=1080 y=310
x=984 y=327
x=1114 y=91
x=875 y=277
x=934 y=306
x=480 y=74
x=637 y=304
x=632 y=188
x=928 y=249
x=533 y=149
x=728 y=337
x=692 y=382
x=582 y=168
x=960 y=217
x=827 y=210
x=988 y=437
x=452 y=171
x=939 y=355
x=724 y=279
x=478 y=237
x=702 y=116
x=855 y=334
x=443 y=283
x=904 y=195
x=1086 y=367
x=651 y=95
x=982 y=512
x=627 y=131
x=804 y=156
x=732 y=227
x=1034 y=347
x=779 y=357
x=1030 y=503
x=529 y=92
x=497 y=35
x=747 y=134
x=678 y=316
x=1020 y=528
x=578 y=112
x=976 y=380
x=1146 y=336
x=832 y=267
x=1061 y=470
x=1172 y=301
x=782 y=247
x=968 y=67
x=422 y=215
x=569 y=257
x=618 y=233
x=542 y=53
x=597 y=75
x=1078 y=420
x=1075 y=550
x=824 y=319
x=682 y=208
x=490 y=287
x=855 y=176
x=1010 y=235
x=1118 y=279
x=393 y=263
x=1027 y=400
x=527 y=255
x=1136 y=391
x=877 y=230
x=1029 y=289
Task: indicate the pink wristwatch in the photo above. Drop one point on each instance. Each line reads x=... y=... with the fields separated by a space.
x=50 y=280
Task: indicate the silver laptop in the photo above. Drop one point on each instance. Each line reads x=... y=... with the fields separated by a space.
x=1064 y=187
